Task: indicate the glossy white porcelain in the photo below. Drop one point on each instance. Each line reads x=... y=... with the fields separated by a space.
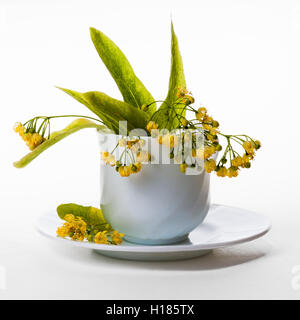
x=158 y=205
x=224 y=226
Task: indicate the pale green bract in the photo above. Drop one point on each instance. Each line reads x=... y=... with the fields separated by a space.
x=55 y=137
x=111 y=110
x=132 y=89
x=167 y=117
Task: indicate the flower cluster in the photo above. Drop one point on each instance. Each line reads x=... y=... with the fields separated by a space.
x=74 y=227
x=106 y=237
x=185 y=96
x=131 y=159
x=31 y=138
x=209 y=127
x=126 y=171
x=77 y=229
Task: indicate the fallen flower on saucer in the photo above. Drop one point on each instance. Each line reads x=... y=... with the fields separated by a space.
x=86 y=223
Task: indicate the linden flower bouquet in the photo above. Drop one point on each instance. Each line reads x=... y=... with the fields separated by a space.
x=135 y=132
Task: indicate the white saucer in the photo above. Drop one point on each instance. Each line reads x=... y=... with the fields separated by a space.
x=223 y=226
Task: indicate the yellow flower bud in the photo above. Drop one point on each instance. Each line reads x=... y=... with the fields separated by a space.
x=249 y=146
x=237 y=161
x=101 y=237
x=143 y=156
x=215 y=124
x=257 y=144
x=210 y=165
x=221 y=172
x=202 y=110
x=117 y=237
x=232 y=172
x=184 y=122
x=151 y=125
x=122 y=142
x=183 y=167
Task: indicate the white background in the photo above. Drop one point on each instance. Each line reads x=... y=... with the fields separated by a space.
x=241 y=61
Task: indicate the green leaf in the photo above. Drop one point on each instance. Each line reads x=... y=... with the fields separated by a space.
x=55 y=137
x=177 y=80
x=91 y=215
x=111 y=110
x=132 y=89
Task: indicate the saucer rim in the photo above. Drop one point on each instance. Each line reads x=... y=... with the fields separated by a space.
x=177 y=247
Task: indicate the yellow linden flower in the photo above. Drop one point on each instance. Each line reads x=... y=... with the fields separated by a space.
x=32 y=140
x=136 y=144
x=135 y=167
x=222 y=172
x=246 y=160
x=139 y=166
x=201 y=114
x=75 y=228
x=151 y=125
x=63 y=231
x=237 y=161
x=19 y=128
x=101 y=238
x=122 y=142
x=210 y=165
x=208 y=119
x=104 y=154
x=188 y=99
x=141 y=143
x=205 y=153
x=143 y=156
x=117 y=237
x=257 y=144
x=183 y=167
x=121 y=171
x=207 y=126
x=202 y=110
x=133 y=142
x=169 y=140
x=159 y=139
x=249 y=146
x=232 y=172
x=215 y=124
x=69 y=217
x=181 y=92
x=210 y=137
x=108 y=158
x=184 y=122
x=209 y=151
x=78 y=236
x=124 y=171
x=213 y=131
x=35 y=141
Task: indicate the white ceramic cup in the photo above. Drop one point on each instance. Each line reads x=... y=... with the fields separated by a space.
x=157 y=206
